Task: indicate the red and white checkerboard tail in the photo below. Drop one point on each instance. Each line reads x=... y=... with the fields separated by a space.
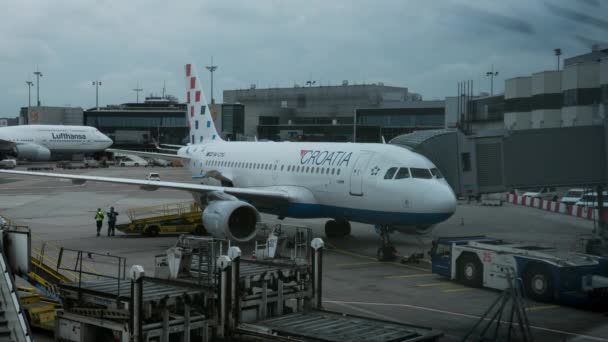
x=199 y=117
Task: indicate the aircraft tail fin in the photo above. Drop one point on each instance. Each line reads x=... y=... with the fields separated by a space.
x=199 y=117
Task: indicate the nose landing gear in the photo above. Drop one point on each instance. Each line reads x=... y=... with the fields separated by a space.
x=337 y=228
x=386 y=252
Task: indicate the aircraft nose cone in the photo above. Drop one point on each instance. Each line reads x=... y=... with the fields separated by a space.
x=446 y=203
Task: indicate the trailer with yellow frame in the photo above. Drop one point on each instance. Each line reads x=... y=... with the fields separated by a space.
x=184 y=217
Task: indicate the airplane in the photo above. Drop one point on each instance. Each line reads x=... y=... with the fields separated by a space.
x=41 y=142
x=388 y=186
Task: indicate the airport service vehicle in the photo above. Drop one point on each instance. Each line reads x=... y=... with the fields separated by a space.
x=545 y=274
x=546 y=193
x=43 y=142
x=589 y=199
x=572 y=196
x=92 y=163
x=388 y=186
x=153 y=176
x=8 y=164
x=166 y=218
x=129 y=160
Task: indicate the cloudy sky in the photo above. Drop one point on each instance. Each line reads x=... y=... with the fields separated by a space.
x=427 y=46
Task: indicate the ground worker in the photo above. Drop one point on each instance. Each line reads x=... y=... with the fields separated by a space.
x=99 y=220
x=111 y=221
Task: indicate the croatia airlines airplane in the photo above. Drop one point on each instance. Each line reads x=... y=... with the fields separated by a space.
x=388 y=186
x=41 y=142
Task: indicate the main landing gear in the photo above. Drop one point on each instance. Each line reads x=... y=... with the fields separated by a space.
x=386 y=252
x=337 y=228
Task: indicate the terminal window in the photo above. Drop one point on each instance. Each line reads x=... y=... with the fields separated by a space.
x=466 y=161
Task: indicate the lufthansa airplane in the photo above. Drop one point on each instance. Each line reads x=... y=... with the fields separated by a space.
x=42 y=142
x=384 y=185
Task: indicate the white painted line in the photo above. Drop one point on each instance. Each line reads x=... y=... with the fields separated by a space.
x=593 y=338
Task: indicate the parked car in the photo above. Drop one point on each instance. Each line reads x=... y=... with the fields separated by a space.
x=161 y=162
x=589 y=199
x=91 y=163
x=125 y=162
x=64 y=164
x=153 y=176
x=545 y=193
x=572 y=196
x=8 y=164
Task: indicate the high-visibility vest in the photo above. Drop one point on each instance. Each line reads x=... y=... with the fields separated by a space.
x=99 y=216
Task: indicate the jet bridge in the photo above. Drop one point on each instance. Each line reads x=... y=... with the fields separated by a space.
x=500 y=160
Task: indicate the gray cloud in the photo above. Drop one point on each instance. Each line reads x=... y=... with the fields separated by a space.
x=581 y=18
x=427 y=46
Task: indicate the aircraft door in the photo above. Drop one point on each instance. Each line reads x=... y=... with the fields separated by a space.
x=275 y=171
x=356 y=176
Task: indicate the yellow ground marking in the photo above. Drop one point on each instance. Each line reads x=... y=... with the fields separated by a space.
x=417 y=275
x=365 y=257
x=542 y=307
x=460 y=289
x=443 y=283
x=359 y=263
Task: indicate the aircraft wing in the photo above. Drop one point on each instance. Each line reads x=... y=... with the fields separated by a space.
x=167 y=156
x=265 y=197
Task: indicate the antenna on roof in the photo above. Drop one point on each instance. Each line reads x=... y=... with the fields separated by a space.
x=164 y=88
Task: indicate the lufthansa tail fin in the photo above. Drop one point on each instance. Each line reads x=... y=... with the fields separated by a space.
x=199 y=118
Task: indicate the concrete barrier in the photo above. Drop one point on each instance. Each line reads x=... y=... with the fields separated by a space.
x=553 y=206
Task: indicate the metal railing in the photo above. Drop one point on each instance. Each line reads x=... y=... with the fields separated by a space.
x=80 y=269
x=287 y=241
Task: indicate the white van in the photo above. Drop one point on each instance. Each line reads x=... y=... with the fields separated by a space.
x=8 y=164
x=589 y=199
x=153 y=176
x=572 y=196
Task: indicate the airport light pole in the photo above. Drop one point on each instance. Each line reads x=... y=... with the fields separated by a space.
x=97 y=84
x=491 y=74
x=355 y=125
x=137 y=90
x=38 y=75
x=30 y=84
x=211 y=69
x=558 y=52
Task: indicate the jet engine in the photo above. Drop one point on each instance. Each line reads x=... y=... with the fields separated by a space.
x=231 y=219
x=33 y=152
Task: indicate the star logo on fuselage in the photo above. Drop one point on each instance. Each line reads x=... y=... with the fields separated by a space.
x=375 y=170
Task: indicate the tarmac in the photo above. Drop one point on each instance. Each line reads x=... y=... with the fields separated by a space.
x=60 y=213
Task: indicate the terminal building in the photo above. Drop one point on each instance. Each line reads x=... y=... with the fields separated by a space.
x=329 y=113
x=138 y=125
x=48 y=115
x=549 y=129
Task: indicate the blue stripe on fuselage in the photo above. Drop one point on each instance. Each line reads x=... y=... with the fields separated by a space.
x=305 y=210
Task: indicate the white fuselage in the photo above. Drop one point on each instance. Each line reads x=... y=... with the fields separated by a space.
x=333 y=180
x=58 y=138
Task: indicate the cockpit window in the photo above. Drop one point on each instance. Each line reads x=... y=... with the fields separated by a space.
x=403 y=173
x=390 y=173
x=421 y=173
x=435 y=171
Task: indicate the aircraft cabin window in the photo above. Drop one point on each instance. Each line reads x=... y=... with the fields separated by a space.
x=421 y=173
x=403 y=172
x=435 y=171
x=282 y=166
x=275 y=166
x=338 y=171
x=333 y=170
x=390 y=173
